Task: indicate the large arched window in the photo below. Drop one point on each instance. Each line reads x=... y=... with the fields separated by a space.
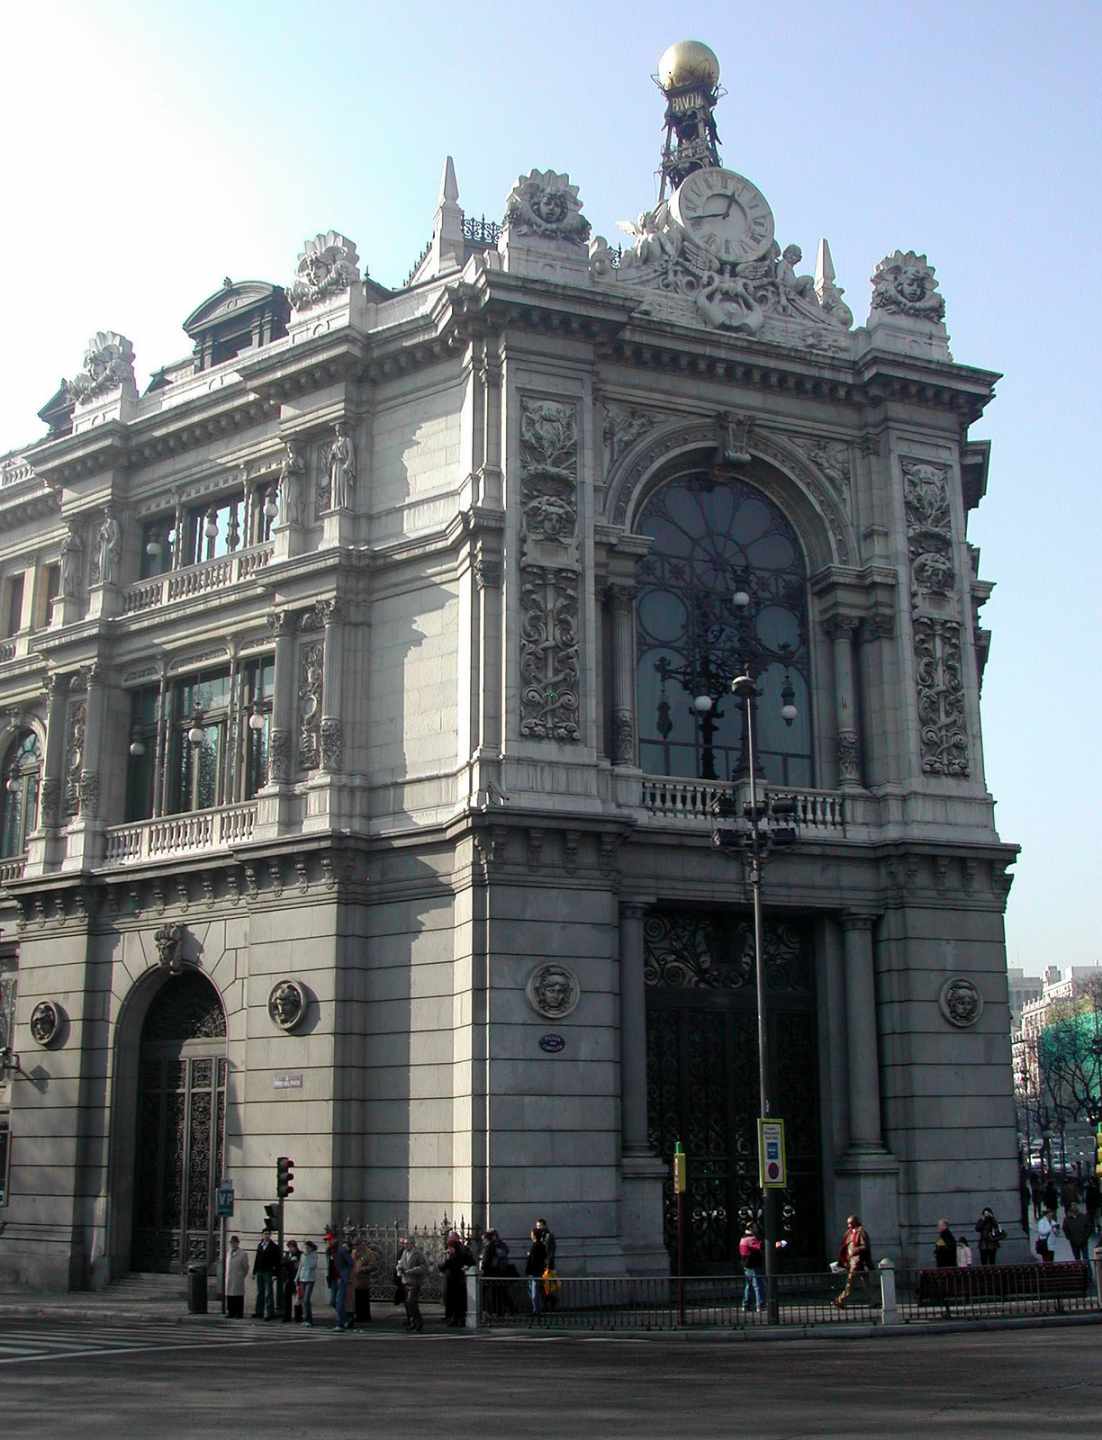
x=19 y=802
x=714 y=540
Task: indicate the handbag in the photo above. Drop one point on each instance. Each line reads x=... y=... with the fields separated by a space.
x=1040 y=1247
x=551 y=1283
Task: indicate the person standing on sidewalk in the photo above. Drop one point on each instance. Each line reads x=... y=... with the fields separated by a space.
x=265 y=1269
x=306 y=1278
x=534 y=1265
x=237 y=1275
x=1077 y=1227
x=991 y=1236
x=411 y=1270
x=945 y=1246
x=291 y=1258
x=752 y=1254
x=550 y=1244
x=1047 y=1230
x=342 y=1265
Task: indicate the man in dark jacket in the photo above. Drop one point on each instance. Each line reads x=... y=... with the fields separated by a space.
x=945 y=1246
x=265 y=1269
x=1077 y=1228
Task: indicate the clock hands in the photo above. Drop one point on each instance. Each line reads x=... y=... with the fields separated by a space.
x=719 y=214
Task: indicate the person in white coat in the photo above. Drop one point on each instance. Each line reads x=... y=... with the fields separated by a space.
x=237 y=1273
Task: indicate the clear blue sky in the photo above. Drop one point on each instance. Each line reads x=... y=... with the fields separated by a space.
x=150 y=149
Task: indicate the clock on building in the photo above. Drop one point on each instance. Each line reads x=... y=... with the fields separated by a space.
x=724 y=213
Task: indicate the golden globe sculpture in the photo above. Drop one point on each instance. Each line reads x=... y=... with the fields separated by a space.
x=689 y=62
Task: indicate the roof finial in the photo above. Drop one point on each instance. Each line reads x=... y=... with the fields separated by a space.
x=824 y=267
x=449 y=188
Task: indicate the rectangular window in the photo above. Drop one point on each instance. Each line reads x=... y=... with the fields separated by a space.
x=51 y=586
x=5 y=1154
x=259 y=687
x=14 y=613
x=213 y=530
x=140 y=768
x=200 y=709
x=158 y=542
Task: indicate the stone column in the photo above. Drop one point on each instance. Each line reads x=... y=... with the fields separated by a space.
x=491 y=434
x=864 y=1065
x=622 y=600
x=332 y=734
x=486 y=567
x=91 y=764
x=842 y=629
x=53 y=762
x=641 y=1171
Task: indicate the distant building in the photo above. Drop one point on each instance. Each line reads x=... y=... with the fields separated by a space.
x=366 y=692
x=1023 y=989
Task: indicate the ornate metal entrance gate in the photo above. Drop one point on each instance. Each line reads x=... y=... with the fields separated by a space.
x=181 y=1126
x=702 y=1074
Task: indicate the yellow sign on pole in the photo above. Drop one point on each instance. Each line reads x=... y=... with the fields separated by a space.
x=772 y=1164
x=678 y=1170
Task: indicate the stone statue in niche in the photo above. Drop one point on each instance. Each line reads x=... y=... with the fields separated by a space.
x=71 y=553
x=287 y=1004
x=342 y=468
x=553 y=991
x=292 y=477
x=110 y=547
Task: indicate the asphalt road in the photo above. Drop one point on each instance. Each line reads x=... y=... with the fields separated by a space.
x=85 y=1380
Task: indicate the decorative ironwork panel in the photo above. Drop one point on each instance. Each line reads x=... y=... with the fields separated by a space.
x=187 y=1007
x=199 y=1159
x=702 y=1074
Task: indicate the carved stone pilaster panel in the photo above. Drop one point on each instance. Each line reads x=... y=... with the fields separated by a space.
x=929 y=528
x=549 y=705
x=549 y=458
x=623 y=737
x=332 y=743
x=279 y=757
x=943 y=735
x=76 y=722
x=849 y=758
x=311 y=660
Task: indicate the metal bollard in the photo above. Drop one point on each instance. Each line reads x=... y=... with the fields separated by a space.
x=1096 y=1266
x=889 y=1314
x=474 y=1298
x=197 y=1288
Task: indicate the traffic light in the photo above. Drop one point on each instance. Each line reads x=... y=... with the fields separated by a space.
x=285 y=1174
x=783 y=834
x=271 y=1217
x=1098 y=1154
x=725 y=839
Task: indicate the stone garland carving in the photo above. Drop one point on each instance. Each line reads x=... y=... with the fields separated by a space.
x=311 y=660
x=51 y=801
x=549 y=653
x=549 y=591
x=332 y=743
x=830 y=456
x=960 y=1001
x=287 y=1004
x=904 y=284
x=553 y=991
x=929 y=527
x=74 y=755
x=545 y=204
x=108 y=364
x=279 y=757
x=328 y=264
x=943 y=736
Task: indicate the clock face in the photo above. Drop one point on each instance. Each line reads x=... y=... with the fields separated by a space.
x=725 y=214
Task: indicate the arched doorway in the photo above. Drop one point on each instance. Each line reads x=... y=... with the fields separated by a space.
x=181 y=1126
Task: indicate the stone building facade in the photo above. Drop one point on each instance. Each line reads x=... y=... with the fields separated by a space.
x=356 y=801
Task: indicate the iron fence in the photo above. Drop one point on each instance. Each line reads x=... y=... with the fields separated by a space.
x=994 y=1291
x=382 y=1241
x=616 y=1302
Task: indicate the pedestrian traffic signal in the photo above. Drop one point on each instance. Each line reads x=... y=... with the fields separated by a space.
x=271 y=1217
x=285 y=1173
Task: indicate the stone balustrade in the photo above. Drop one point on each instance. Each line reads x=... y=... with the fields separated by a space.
x=196 y=579
x=671 y=798
x=11 y=869
x=186 y=834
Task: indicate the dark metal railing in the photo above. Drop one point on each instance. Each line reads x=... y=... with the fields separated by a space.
x=481 y=231
x=980 y=1291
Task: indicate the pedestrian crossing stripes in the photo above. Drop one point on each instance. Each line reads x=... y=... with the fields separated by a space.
x=58 y=1340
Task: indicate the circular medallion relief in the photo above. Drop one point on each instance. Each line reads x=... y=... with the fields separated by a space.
x=287 y=1004
x=960 y=1002
x=553 y=991
x=46 y=1022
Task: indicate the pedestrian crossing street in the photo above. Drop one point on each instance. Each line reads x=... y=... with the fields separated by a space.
x=35 y=1340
